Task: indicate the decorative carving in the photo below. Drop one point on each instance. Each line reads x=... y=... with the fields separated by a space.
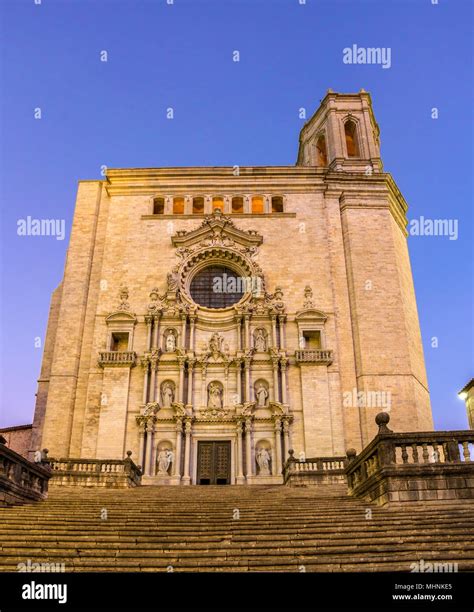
x=156 y=303
x=308 y=297
x=123 y=296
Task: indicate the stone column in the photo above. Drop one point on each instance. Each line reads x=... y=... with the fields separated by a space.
x=281 y=323
x=149 y=448
x=203 y=386
x=192 y=320
x=284 y=364
x=190 y=381
x=277 y=447
x=247 y=332
x=154 y=367
x=248 y=446
x=187 y=452
x=247 y=396
x=183 y=331
x=141 y=446
x=275 y=380
x=239 y=333
x=181 y=362
x=156 y=331
x=149 y=322
x=286 y=437
x=177 y=460
x=240 y=469
x=226 y=386
x=145 y=365
x=274 y=333
x=239 y=381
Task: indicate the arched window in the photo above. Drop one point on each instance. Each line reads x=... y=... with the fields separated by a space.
x=237 y=204
x=321 y=151
x=178 y=206
x=158 y=206
x=218 y=202
x=352 y=145
x=198 y=206
x=257 y=205
x=277 y=204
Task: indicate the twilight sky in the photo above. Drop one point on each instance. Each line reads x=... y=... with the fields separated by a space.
x=226 y=113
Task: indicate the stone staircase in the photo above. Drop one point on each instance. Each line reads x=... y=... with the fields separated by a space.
x=232 y=528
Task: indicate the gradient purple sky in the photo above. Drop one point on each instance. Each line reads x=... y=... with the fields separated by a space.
x=227 y=113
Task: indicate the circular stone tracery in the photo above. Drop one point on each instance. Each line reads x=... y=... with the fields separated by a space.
x=217 y=286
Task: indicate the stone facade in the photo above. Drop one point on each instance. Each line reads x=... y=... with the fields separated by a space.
x=300 y=361
x=467 y=395
x=18 y=438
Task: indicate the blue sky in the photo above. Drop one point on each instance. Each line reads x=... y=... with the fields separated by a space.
x=113 y=113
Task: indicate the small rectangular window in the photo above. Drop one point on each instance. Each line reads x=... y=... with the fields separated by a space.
x=198 y=206
x=237 y=204
x=178 y=206
x=257 y=205
x=277 y=204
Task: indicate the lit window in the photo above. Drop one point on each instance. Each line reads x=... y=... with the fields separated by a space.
x=257 y=205
x=178 y=206
x=321 y=151
x=217 y=203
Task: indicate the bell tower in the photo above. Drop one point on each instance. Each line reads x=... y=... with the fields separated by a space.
x=342 y=135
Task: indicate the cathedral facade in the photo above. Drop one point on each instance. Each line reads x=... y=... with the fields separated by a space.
x=211 y=319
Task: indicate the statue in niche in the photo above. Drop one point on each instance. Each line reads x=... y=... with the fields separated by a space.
x=215 y=395
x=261 y=394
x=164 y=460
x=260 y=340
x=167 y=394
x=263 y=461
x=170 y=342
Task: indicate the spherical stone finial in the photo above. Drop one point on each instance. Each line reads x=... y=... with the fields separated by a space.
x=291 y=452
x=351 y=454
x=382 y=419
x=129 y=454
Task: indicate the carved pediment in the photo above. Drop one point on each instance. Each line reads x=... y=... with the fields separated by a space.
x=216 y=230
x=311 y=314
x=120 y=316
